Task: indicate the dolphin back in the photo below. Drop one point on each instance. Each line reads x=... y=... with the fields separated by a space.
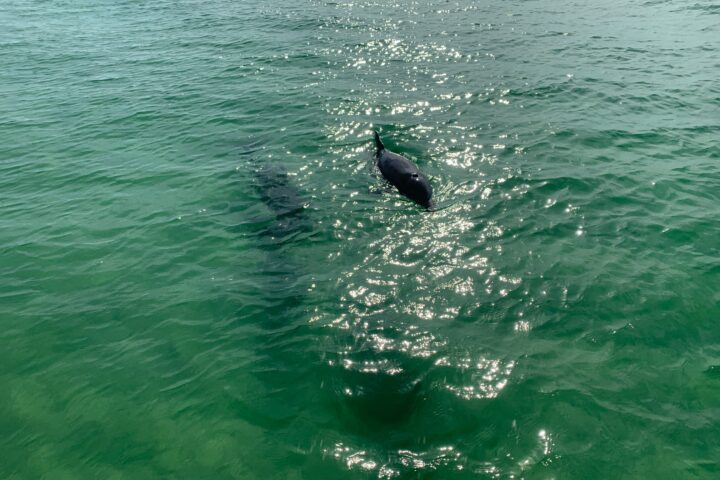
x=379 y=147
x=403 y=174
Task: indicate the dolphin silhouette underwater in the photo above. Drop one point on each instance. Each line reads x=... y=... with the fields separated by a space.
x=403 y=174
x=283 y=200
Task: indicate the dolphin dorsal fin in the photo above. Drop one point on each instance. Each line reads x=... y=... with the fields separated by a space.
x=379 y=147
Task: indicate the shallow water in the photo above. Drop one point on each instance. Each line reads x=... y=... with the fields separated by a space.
x=201 y=279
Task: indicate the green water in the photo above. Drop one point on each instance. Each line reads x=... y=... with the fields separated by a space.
x=556 y=317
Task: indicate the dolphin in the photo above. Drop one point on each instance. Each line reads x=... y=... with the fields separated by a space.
x=403 y=174
x=276 y=190
x=284 y=200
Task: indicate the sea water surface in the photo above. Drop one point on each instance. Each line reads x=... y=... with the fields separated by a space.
x=204 y=277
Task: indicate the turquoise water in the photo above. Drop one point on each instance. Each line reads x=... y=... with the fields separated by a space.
x=204 y=277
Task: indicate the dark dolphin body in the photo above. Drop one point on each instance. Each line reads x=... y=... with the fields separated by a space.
x=280 y=283
x=276 y=191
x=402 y=173
x=283 y=199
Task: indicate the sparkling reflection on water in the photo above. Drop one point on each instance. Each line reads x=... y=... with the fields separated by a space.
x=391 y=360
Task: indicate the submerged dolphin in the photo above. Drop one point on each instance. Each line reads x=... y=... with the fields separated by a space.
x=283 y=199
x=276 y=190
x=402 y=173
